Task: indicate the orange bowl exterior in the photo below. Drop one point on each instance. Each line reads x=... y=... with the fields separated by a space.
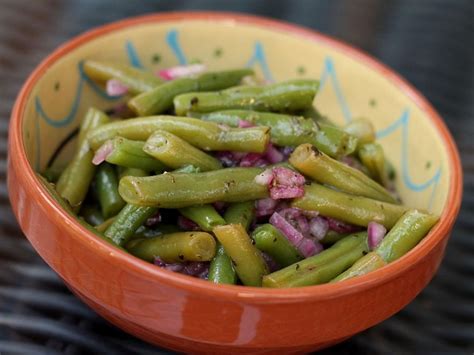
x=186 y=314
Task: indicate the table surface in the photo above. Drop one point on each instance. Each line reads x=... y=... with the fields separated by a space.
x=428 y=41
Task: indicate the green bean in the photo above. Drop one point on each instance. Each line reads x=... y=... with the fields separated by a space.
x=289 y=96
x=177 y=153
x=187 y=169
x=315 y=115
x=321 y=267
x=74 y=182
x=323 y=169
x=136 y=80
x=107 y=190
x=271 y=241
x=201 y=134
x=241 y=213
x=53 y=173
x=103 y=226
x=370 y=262
x=221 y=270
x=172 y=190
x=349 y=208
x=332 y=237
x=131 y=172
x=404 y=235
x=54 y=194
x=129 y=154
x=363 y=129
x=175 y=247
x=161 y=229
x=372 y=156
x=91 y=215
x=129 y=219
x=205 y=216
x=161 y=97
x=287 y=130
x=248 y=262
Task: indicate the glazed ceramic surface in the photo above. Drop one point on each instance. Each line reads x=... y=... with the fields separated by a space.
x=184 y=313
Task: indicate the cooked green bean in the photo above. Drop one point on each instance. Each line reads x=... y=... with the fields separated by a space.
x=131 y=172
x=130 y=218
x=248 y=262
x=332 y=237
x=289 y=96
x=205 y=216
x=103 y=226
x=373 y=158
x=177 y=153
x=404 y=235
x=53 y=173
x=188 y=169
x=363 y=129
x=321 y=267
x=274 y=243
x=175 y=247
x=348 y=208
x=172 y=190
x=323 y=169
x=74 y=182
x=107 y=190
x=161 y=97
x=241 y=213
x=161 y=229
x=129 y=154
x=91 y=215
x=136 y=80
x=221 y=270
x=201 y=134
x=287 y=130
x=370 y=262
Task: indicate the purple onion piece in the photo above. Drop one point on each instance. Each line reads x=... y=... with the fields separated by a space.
x=352 y=162
x=245 y=124
x=265 y=207
x=227 y=159
x=181 y=71
x=318 y=227
x=340 y=226
x=219 y=206
x=186 y=224
x=375 y=233
x=153 y=220
x=273 y=155
x=103 y=152
x=114 y=87
x=286 y=151
x=251 y=159
x=291 y=233
x=190 y=268
x=286 y=184
x=271 y=263
x=309 y=247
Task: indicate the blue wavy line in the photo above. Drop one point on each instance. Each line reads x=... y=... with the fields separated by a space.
x=133 y=55
x=259 y=57
x=402 y=123
x=329 y=72
x=172 y=40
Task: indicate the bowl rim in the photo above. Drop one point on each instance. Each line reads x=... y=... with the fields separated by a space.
x=34 y=187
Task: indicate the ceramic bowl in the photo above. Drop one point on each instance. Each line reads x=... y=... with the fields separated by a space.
x=188 y=314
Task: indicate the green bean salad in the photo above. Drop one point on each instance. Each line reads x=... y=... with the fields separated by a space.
x=219 y=176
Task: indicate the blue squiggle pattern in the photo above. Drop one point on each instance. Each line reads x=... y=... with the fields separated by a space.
x=403 y=123
x=329 y=73
x=259 y=58
x=172 y=40
x=133 y=55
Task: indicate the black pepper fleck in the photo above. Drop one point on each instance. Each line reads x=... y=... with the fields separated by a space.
x=194 y=101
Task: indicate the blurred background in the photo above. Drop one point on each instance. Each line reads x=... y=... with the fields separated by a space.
x=430 y=42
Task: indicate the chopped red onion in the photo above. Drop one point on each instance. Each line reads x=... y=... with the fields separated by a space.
x=296 y=218
x=114 y=87
x=103 y=152
x=286 y=151
x=309 y=247
x=318 y=227
x=153 y=220
x=252 y=159
x=273 y=155
x=352 y=162
x=375 y=233
x=265 y=207
x=190 y=268
x=245 y=124
x=219 y=206
x=286 y=184
x=271 y=263
x=291 y=233
x=340 y=226
x=187 y=224
x=181 y=71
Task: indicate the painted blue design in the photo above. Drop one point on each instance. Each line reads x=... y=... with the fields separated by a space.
x=329 y=73
x=69 y=117
x=259 y=58
x=172 y=40
x=402 y=123
x=133 y=55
